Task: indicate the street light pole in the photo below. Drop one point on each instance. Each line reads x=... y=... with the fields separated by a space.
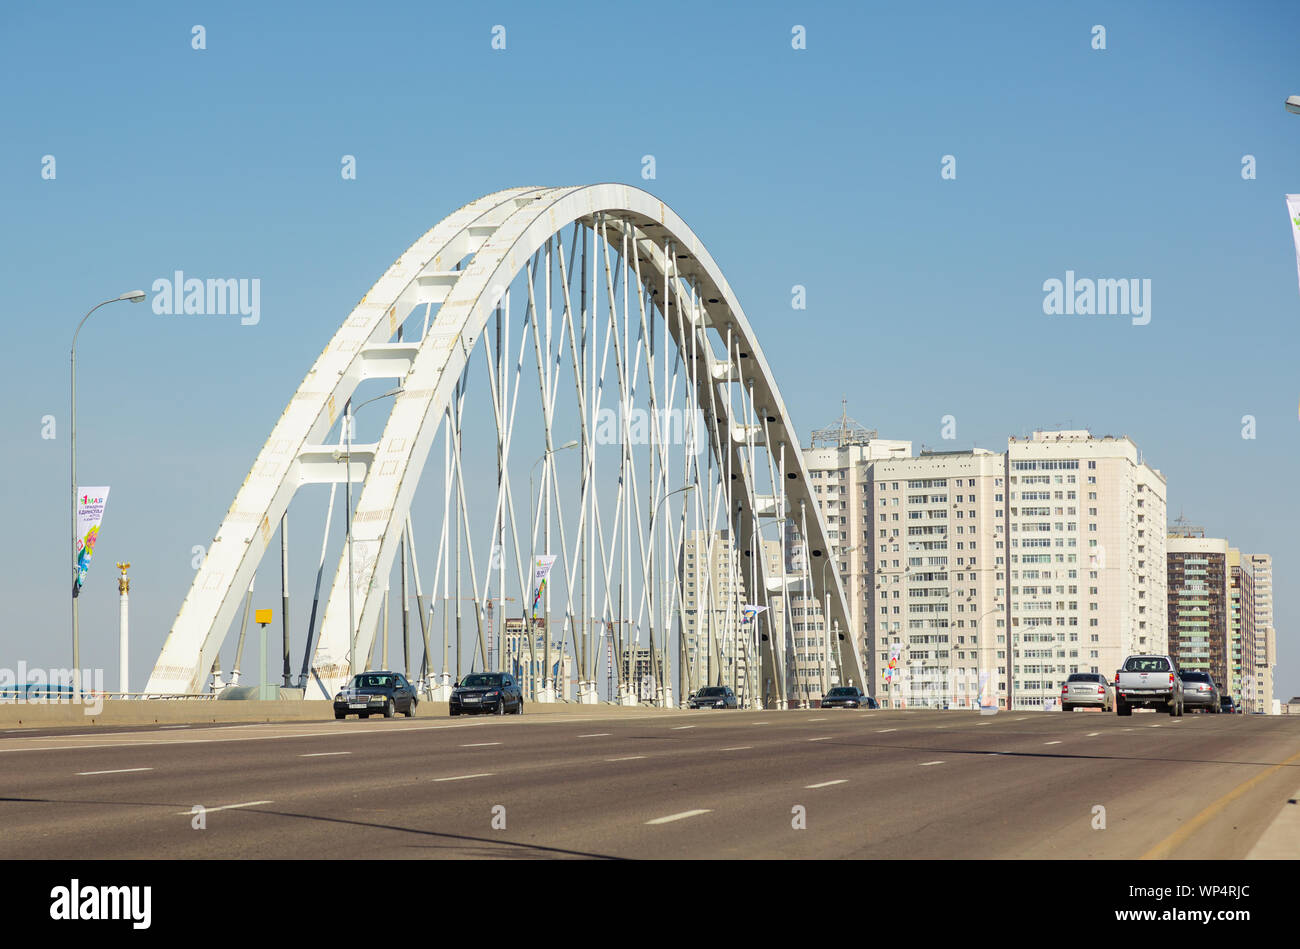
x=132 y=296
x=348 y=415
x=656 y=667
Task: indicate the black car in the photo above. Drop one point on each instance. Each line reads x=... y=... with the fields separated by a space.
x=1227 y=705
x=487 y=692
x=714 y=696
x=847 y=696
x=376 y=692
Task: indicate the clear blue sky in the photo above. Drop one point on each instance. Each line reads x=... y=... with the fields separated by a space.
x=818 y=167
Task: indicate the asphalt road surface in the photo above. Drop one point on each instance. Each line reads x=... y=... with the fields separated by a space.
x=719 y=785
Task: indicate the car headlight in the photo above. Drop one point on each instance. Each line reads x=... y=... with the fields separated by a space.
x=378 y=698
x=492 y=695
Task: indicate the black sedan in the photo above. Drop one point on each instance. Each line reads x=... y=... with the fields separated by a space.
x=375 y=693
x=713 y=696
x=847 y=696
x=487 y=692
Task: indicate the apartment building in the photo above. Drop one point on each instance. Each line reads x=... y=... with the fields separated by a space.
x=1241 y=629
x=978 y=574
x=1199 y=591
x=1086 y=519
x=1262 y=655
x=717 y=641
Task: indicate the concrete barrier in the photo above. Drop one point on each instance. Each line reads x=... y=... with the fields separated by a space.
x=203 y=712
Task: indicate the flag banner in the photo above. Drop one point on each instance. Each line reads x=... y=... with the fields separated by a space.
x=748 y=612
x=541 y=571
x=893 y=663
x=90 y=513
x=1293 y=212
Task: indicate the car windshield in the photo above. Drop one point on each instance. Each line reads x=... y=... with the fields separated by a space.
x=712 y=691
x=1147 y=664
x=370 y=680
x=472 y=681
x=842 y=691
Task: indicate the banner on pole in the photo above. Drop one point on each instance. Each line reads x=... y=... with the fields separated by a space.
x=748 y=613
x=90 y=513
x=541 y=571
x=1293 y=212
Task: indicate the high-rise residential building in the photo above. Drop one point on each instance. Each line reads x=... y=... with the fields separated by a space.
x=1241 y=629
x=717 y=639
x=936 y=564
x=1263 y=652
x=638 y=671
x=974 y=575
x=527 y=668
x=1086 y=523
x=1200 y=579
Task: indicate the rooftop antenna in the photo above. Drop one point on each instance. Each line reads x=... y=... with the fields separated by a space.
x=846 y=431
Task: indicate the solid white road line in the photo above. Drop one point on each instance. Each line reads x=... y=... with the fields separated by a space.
x=825 y=784
x=325 y=754
x=682 y=816
x=481 y=744
x=628 y=758
x=926 y=764
x=225 y=807
x=116 y=771
x=462 y=777
x=596 y=735
x=737 y=748
x=1051 y=743
x=824 y=738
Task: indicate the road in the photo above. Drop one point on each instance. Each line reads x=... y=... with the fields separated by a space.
x=722 y=785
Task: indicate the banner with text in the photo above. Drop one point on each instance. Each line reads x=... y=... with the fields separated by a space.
x=90 y=513
x=541 y=571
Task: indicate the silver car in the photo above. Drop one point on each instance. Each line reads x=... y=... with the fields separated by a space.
x=1200 y=692
x=1086 y=690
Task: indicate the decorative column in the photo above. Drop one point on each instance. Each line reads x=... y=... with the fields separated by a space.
x=124 y=597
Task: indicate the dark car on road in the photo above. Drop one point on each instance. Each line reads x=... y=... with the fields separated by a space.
x=714 y=696
x=1227 y=705
x=368 y=693
x=1200 y=692
x=495 y=692
x=847 y=696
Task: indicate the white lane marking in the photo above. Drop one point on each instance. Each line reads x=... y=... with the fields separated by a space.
x=983 y=723
x=224 y=807
x=462 y=777
x=1153 y=726
x=1051 y=743
x=737 y=748
x=596 y=735
x=881 y=731
x=10 y=731
x=678 y=728
x=325 y=754
x=926 y=764
x=160 y=727
x=628 y=758
x=758 y=723
x=115 y=771
x=1020 y=719
x=481 y=744
x=1092 y=734
x=824 y=738
x=203 y=741
x=682 y=816
x=825 y=784
x=816 y=719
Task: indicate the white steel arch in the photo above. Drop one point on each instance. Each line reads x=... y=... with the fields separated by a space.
x=495 y=238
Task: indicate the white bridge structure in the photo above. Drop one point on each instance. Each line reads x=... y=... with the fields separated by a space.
x=578 y=344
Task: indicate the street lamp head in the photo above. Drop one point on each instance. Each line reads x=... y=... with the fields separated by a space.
x=135 y=296
x=572 y=443
x=1293 y=104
